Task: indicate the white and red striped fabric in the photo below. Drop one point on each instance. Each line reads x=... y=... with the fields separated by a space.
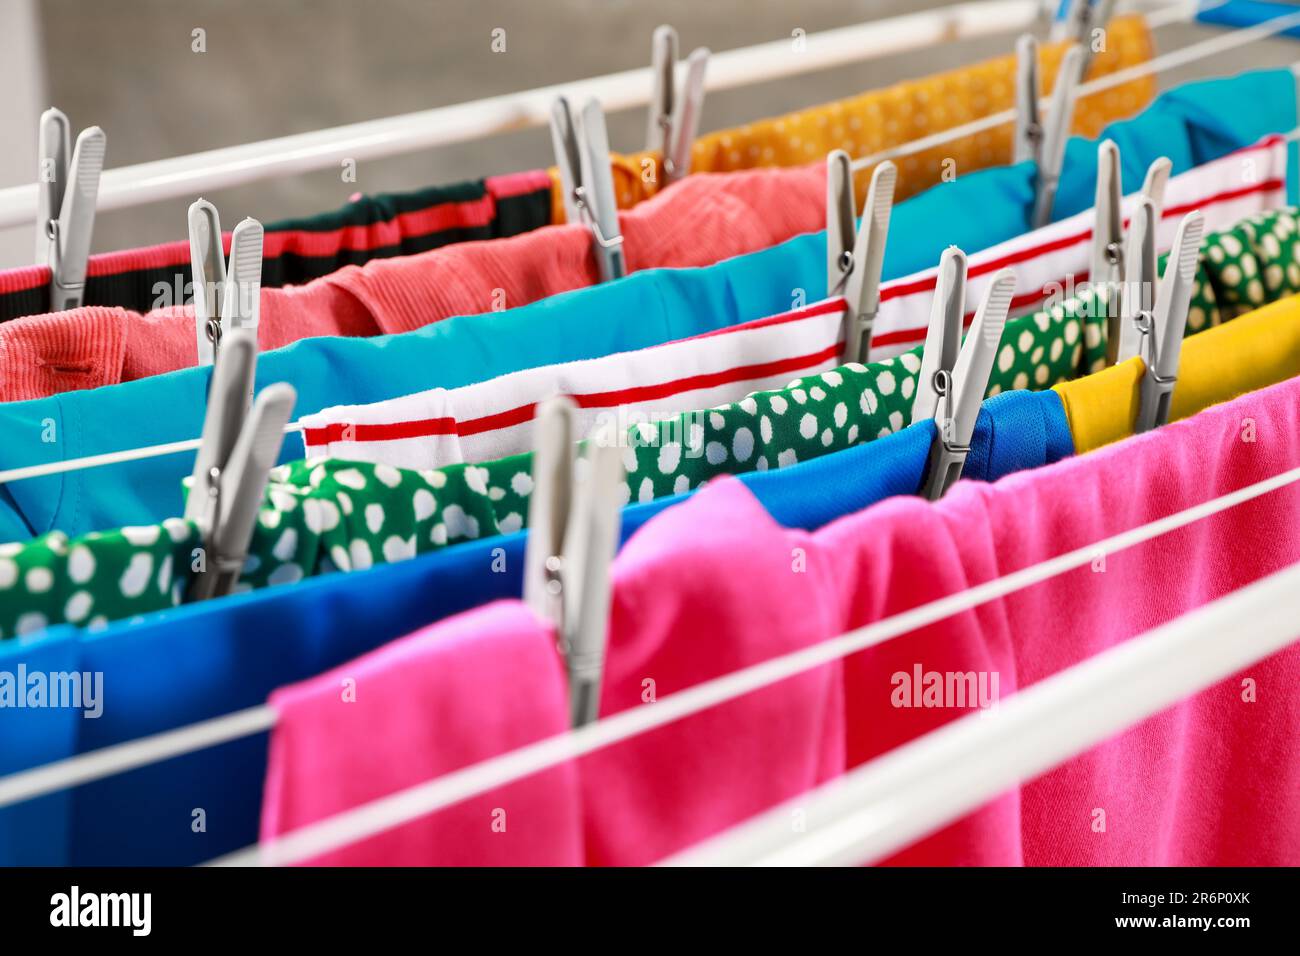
x=492 y=419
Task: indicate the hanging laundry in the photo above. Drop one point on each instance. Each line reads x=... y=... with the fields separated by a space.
x=1167 y=801
x=493 y=418
x=768 y=429
x=881 y=119
x=708 y=218
x=455 y=693
x=299 y=250
x=1259 y=349
x=1190 y=125
x=811 y=587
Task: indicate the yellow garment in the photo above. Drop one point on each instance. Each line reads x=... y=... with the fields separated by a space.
x=882 y=119
x=1259 y=349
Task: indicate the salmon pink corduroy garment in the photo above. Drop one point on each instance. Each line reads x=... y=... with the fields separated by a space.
x=697 y=222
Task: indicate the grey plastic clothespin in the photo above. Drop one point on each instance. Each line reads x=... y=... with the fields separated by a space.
x=236 y=452
x=1137 y=294
x=1107 y=268
x=582 y=155
x=942 y=335
x=1081 y=19
x=855 y=257
x=1123 y=261
x=225 y=297
x=1060 y=112
x=1027 y=139
x=1162 y=329
x=574 y=524
x=674 y=114
x=68 y=189
x=952 y=382
x=1074 y=25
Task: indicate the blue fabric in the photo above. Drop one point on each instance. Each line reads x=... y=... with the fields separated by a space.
x=205 y=660
x=1249 y=13
x=1191 y=125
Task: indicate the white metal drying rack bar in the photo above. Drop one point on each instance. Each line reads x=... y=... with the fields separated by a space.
x=1176 y=58
x=200 y=173
x=433 y=795
x=909 y=793
x=1166 y=61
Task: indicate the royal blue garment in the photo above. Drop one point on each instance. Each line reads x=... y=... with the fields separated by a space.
x=206 y=660
x=1191 y=125
x=1249 y=13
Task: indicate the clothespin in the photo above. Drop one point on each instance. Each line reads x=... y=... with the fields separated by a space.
x=1056 y=133
x=1124 y=263
x=1107 y=269
x=1108 y=235
x=1082 y=17
x=674 y=119
x=1137 y=289
x=854 y=258
x=573 y=521
x=582 y=154
x=225 y=298
x=1027 y=139
x=952 y=383
x=236 y=452
x=67 y=191
x=1162 y=328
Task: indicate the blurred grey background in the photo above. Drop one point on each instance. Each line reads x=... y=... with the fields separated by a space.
x=275 y=67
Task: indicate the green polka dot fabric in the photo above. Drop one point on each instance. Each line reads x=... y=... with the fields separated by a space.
x=322 y=515
x=101 y=577
x=1252 y=264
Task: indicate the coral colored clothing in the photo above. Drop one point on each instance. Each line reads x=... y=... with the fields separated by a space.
x=299 y=250
x=880 y=119
x=455 y=693
x=705 y=219
x=1258 y=349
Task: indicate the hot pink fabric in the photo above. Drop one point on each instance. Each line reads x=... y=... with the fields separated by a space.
x=690 y=604
x=714 y=584
x=1214 y=780
x=461 y=691
x=696 y=222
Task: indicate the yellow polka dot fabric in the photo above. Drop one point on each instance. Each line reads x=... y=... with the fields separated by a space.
x=882 y=119
x=1249 y=353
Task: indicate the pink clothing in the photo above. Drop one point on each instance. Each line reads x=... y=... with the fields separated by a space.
x=461 y=691
x=689 y=606
x=1214 y=780
x=715 y=584
x=699 y=221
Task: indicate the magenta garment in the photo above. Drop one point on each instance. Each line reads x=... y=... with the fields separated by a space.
x=697 y=222
x=690 y=604
x=1214 y=780
x=715 y=584
x=466 y=689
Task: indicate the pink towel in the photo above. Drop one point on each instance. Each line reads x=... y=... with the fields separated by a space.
x=472 y=687
x=697 y=222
